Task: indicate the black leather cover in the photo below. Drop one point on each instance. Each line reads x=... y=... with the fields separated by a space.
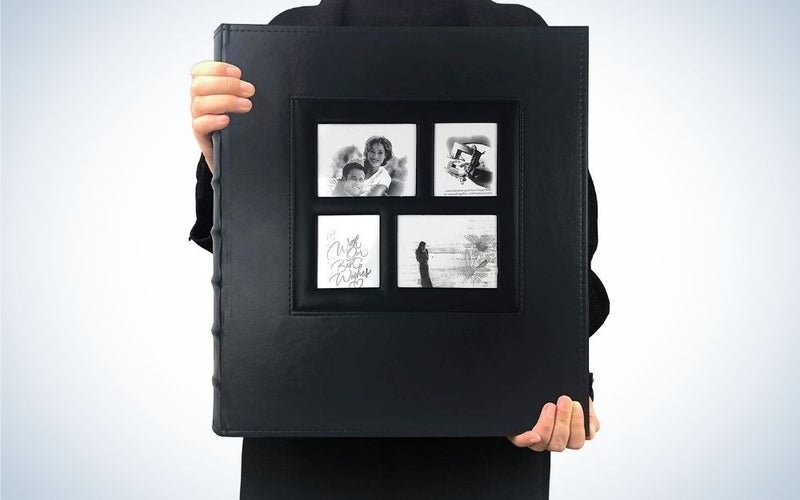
x=292 y=360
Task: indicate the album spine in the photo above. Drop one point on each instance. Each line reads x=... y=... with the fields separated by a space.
x=584 y=285
x=220 y=40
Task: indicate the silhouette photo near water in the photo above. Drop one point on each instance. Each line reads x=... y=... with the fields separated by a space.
x=422 y=259
x=447 y=251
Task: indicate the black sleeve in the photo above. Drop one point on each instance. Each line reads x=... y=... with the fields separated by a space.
x=204 y=206
x=598 y=298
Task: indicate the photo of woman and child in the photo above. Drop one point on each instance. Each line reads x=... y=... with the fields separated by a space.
x=375 y=170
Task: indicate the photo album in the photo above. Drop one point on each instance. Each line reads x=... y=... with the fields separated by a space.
x=400 y=248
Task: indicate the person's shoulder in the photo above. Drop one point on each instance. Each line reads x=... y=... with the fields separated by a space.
x=383 y=174
x=296 y=16
x=324 y=14
x=489 y=13
x=478 y=13
x=335 y=187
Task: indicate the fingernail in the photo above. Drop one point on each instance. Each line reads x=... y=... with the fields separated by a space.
x=244 y=103
x=576 y=406
x=535 y=438
x=248 y=88
x=550 y=410
x=232 y=71
x=593 y=428
x=564 y=403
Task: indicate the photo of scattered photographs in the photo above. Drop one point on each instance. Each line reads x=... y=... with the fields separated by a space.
x=359 y=159
x=348 y=252
x=465 y=159
x=447 y=251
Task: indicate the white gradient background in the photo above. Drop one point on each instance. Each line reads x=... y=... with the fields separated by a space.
x=106 y=308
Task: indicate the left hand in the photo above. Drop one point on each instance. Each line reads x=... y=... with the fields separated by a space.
x=560 y=426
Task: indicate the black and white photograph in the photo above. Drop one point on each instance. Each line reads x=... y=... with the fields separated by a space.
x=348 y=251
x=447 y=251
x=375 y=159
x=465 y=159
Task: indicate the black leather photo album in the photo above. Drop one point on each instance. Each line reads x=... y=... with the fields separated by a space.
x=400 y=231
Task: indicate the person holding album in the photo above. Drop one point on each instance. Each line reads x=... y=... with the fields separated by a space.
x=391 y=467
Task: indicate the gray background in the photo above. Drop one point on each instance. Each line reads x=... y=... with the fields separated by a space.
x=106 y=308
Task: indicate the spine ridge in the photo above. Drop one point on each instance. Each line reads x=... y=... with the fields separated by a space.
x=220 y=37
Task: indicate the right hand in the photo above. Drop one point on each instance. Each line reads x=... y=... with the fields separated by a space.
x=560 y=426
x=217 y=88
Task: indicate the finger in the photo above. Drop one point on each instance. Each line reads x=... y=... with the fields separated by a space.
x=526 y=439
x=205 y=124
x=561 y=427
x=216 y=68
x=594 y=423
x=209 y=85
x=544 y=427
x=219 y=104
x=577 y=434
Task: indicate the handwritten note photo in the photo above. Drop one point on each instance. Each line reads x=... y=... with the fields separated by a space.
x=348 y=251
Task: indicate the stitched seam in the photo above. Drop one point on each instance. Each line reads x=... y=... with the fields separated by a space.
x=291 y=204
x=582 y=254
x=520 y=204
x=409 y=29
x=304 y=431
x=379 y=313
x=406 y=98
x=521 y=208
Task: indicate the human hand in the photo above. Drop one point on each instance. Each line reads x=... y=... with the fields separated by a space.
x=217 y=88
x=560 y=426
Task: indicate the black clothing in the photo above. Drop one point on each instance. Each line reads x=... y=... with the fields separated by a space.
x=397 y=467
x=392 y=468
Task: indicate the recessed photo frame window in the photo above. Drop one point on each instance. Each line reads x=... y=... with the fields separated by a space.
x=472 y=241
